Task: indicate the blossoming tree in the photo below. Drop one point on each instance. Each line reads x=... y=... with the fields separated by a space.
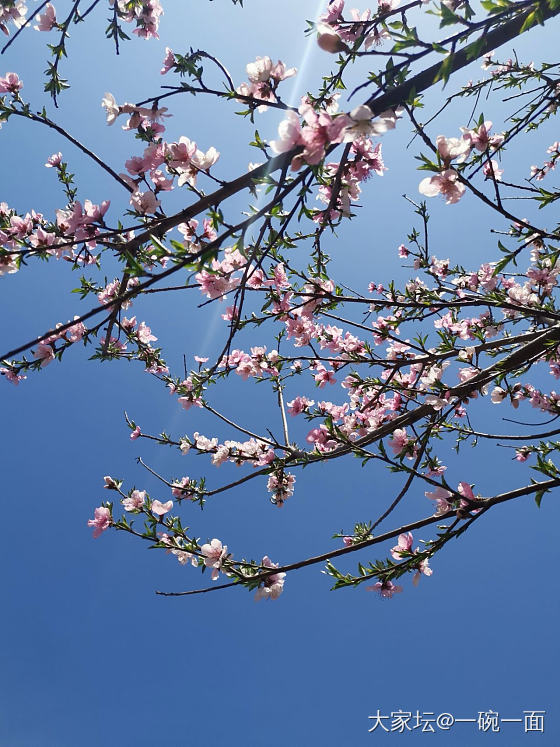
x=410 y=368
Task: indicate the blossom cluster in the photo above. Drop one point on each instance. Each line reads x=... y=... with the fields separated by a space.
x=385 y=392
x=447 y=182
x=213 y=555
x=12 y=12
x=323 y=128
x=144 y=13
x=539 y=172
x=335 y=34
x=181 y=159
x=264 y=77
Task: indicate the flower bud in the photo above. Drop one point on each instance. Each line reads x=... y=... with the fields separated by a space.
x=329 y=40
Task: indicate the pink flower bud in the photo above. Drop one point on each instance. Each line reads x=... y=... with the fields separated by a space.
x=329 y=40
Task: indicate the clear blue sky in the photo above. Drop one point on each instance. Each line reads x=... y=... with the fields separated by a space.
x=89 y=655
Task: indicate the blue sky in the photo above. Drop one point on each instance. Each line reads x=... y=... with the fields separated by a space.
x=89 y=655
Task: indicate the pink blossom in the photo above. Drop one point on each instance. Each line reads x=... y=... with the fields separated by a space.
x=333 y=11
x=436 y=469
x=135 y=433
x=144 y=202
x=403 y=546
x=134 y=501
x=465 y=490
x=289 y=131
x=465 y=374
x=135 y=166
x=203 y=443
x=491 y=169
x=386 y=589
x=423 y=568
x=47 y=20
x=384 y=6
x=271 y=586
x=299 y=405
x=230 y=313
x=15 y=12
x=441 y=497
x=376 y=37
x=9 y=264
x=446 y=183
x=281 y=486
x=176 y=547
x=154 y=155
x=179 y=488
x=323 y=376
x=20 y=227
x=169 y=61
x=256 y=279
x=214 y=555
x=281 y=72
x=189 y=399
x=112 y=108
x=101 y=522
x=45 y=353
x=361 y=125
x=181 y=153
x=259 y=71
x=75 y=332
x=144 y=333
x=453 y=148
x=522 y=454
x=498 y=395
x=402 y=251
x=438 y=403
x=387 y=120
x=487 y=60
x=281 y=281
x=10 y=83
x=264 y=77
x=538 y=172
x=160 y=181
x=399 y=440
x=480 y=137
x=54 y=160
x=11 y=375
x=320 y=130
x=145 y=13
x=143 y=118
x=215 y=285
x=160 y=508
x=203 y=161
x=116 y=346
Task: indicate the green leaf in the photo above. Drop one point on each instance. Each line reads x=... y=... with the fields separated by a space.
x=538 y=497
x=473 y=51
x=531 y=20
x=445 y=70
x=448 y=17
x=501 y=264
